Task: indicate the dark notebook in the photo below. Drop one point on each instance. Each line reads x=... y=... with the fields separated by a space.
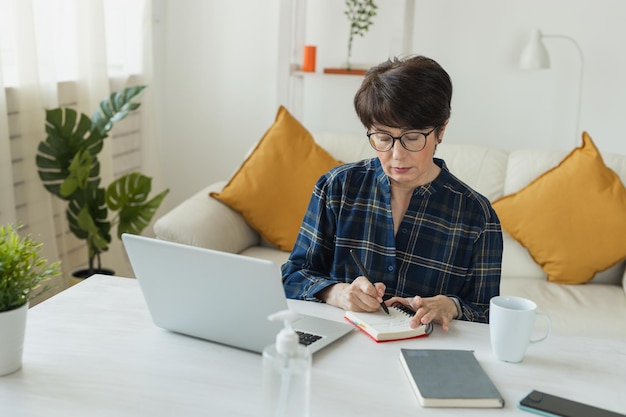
x=449 y=378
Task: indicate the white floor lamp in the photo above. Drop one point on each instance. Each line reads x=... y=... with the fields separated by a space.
x=535 y=56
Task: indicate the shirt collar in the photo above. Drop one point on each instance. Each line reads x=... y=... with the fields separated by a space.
x=430 y=188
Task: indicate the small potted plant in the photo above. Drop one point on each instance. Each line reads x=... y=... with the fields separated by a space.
x=360 y=13
x=22 y=270
x=67 y=162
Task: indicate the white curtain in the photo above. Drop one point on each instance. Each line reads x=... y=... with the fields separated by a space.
x=66 y=53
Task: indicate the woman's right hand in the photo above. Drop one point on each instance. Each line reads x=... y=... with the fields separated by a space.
x=360 y=295
x=438 y=309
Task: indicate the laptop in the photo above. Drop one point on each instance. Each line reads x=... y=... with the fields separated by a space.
x=218 y=296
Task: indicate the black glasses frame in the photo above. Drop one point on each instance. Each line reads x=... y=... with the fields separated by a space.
x=400 y=138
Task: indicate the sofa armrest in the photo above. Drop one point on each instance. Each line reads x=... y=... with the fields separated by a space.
x=206 y=222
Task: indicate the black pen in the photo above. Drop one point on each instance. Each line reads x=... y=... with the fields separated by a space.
x=366 y=275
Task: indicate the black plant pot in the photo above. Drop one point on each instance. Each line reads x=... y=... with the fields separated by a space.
x=80 y=274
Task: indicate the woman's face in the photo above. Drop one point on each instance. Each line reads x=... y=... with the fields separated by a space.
x=405 y=168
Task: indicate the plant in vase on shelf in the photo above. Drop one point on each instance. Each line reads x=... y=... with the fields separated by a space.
x=360 y=13
x=68 y=166
x=22 y=270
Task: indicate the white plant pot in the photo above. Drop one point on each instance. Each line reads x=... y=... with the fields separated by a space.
x=12 y=329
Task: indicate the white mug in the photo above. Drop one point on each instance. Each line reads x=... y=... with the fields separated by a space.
x=511 y=324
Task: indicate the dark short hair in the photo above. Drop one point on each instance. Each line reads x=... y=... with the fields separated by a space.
x=409 y=93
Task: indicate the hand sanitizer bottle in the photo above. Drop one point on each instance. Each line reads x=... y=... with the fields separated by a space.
x=286 y=372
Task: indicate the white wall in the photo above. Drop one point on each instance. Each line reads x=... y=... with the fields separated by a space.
x=216 y=64
x=499 y=104
x=219 y=62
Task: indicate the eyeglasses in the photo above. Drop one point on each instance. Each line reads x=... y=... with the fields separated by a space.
x=411 y=141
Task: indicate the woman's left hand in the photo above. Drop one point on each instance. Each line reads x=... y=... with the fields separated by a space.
x=438 y=309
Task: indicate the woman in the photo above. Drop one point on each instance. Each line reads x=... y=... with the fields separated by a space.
x=426 y=239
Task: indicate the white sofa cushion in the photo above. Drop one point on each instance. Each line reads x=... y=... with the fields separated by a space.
x=526 y=165
x=483 y=169
x=193 y=223
x=517 y=262
x=345 y=147
x=599 y=305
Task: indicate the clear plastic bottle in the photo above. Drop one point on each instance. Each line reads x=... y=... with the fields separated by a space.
x=286 y=372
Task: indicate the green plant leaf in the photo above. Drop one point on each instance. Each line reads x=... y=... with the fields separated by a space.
x=128 y=190
x=86 y=222
x=22 y=268
x=67 y=135
x=135 y=219
x=87 y=217
x=360 y=14
x=128 y=195
x=79 y=173
x=115 y=108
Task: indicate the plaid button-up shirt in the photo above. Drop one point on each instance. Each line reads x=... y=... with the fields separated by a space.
x=449 y=242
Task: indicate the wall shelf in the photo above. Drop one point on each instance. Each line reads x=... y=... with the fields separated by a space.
x=345 y=71
x=292 y=33
x=307 y=74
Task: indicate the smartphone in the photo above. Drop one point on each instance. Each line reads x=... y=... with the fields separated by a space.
x=552 y=406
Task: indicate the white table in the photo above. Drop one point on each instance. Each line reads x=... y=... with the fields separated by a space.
x=94 y=351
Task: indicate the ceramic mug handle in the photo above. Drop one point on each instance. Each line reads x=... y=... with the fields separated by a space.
x=548 y=331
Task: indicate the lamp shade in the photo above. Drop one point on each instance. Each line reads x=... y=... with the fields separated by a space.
x=535 y=54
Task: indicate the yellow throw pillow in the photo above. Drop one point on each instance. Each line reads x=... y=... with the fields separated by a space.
x=572 y=219
x=273 y=186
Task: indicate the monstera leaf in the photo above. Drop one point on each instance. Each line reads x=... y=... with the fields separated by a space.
x=128 y=195
x=115 y=108
x=67 y=136
x=78 y=173
x=87 y=216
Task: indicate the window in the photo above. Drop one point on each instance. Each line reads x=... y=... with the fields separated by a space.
x=51 y=36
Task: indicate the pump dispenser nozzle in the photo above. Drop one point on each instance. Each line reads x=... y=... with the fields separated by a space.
x=286 y=340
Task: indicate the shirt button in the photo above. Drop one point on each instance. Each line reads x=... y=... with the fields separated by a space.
x=390 y=268
x=404 y=230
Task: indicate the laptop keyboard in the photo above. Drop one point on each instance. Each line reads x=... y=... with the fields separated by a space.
x=307 y=338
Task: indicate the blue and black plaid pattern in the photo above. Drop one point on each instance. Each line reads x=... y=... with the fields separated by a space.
x=449 y=242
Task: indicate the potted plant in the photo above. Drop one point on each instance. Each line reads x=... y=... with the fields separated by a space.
x=360 y=13
x=67 y=162
x=22 y=269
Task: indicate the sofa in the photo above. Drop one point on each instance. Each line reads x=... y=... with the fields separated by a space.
x=595 y=308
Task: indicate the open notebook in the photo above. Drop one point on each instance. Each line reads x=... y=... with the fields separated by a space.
x=383 y=327
x=217 y=296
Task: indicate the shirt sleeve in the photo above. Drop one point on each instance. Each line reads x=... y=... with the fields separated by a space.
x=306 y=272
x=483 y=281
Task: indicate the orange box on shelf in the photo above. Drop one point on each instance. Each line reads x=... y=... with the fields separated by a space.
x=308 y=59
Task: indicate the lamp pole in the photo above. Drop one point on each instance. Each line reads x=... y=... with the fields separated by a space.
x=535 y=56
x=580 y=77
